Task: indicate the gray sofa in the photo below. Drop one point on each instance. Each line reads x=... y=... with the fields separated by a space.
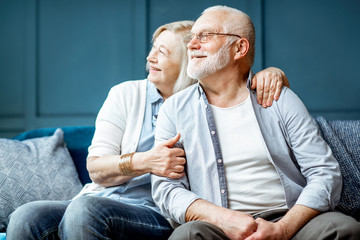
x=343 y=136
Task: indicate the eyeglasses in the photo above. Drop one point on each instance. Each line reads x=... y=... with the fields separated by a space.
x=204 y=37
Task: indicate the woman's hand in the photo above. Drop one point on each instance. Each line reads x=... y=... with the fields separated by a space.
x=162 y=160
x=268 y=84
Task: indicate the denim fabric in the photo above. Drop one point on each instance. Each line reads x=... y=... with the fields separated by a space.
x=102 y=218
x=46 y=214
x=343 y=138
x=88 y=218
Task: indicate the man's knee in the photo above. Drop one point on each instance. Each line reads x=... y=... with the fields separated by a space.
x=330 y=225
x=349 y=229
x=340 y=226
x=197 y=230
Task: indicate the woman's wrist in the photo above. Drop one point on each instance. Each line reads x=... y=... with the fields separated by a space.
x=125 y=164
x=138 y=163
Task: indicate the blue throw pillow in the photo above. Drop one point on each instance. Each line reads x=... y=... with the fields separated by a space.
x=35 y=169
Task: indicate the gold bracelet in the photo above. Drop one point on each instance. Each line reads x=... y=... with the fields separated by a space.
x=125 y=164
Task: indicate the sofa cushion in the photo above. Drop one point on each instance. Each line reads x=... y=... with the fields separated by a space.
x=343 y=138
x=77 y=139
x=35 y=169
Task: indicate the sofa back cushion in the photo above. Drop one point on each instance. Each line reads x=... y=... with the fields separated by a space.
x=343 y=137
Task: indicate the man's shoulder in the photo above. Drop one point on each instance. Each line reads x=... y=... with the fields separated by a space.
x=288 y=99
x=181 y=102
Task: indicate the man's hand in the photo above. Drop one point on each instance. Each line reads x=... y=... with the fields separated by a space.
x=268 y=84
x=236 y=225
x=268 y=230
x=286 y=227
x=162 y=160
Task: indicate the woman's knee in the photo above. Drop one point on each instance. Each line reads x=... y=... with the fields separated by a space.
x=81 y=209
x=30 y=212
x=34 y=219
x=82 y=214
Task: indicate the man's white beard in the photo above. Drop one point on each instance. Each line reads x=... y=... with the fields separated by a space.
x=209 y=65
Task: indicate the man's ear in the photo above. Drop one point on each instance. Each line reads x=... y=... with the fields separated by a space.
x=242 y=48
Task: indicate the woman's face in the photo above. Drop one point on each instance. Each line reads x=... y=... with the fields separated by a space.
x=164 y=61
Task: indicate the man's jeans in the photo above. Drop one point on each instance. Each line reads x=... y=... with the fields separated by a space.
x=88 y=218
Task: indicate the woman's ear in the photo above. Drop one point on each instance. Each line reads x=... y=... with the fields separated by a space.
x=242 y=48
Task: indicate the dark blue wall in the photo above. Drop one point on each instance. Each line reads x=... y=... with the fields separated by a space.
x=59 y=58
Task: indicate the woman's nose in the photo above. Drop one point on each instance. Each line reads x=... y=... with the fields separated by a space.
x=151 y=57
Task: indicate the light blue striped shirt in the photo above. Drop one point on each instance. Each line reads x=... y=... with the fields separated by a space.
x=307 y=169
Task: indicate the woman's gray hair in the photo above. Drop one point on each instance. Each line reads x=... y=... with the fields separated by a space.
x=182 y=29
x=239 y=23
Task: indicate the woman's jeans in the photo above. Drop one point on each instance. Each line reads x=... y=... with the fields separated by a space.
x=87 y=217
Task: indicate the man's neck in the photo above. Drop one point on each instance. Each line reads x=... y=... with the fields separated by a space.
x=226 y=87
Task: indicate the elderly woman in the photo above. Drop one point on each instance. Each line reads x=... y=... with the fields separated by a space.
x=118 y=204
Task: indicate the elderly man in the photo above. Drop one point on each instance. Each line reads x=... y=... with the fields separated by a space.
x=252 y=173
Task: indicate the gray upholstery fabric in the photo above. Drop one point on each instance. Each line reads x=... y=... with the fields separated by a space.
x=35 y=169
x=343 y=138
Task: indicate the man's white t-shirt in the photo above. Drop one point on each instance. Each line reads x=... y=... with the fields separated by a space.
x=252 y=181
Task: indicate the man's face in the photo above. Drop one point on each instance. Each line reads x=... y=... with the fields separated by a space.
x=203 y=63
x=206 y=58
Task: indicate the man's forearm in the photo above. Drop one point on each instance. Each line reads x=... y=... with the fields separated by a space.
x=296 y=218
x=200 y=210
x=235 y=224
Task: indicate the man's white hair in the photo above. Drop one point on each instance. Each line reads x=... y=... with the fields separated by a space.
x=239 y=23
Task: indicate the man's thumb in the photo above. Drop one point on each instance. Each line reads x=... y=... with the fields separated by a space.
x=171 y=142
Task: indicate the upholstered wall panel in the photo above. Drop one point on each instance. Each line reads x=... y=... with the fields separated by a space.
x=316 y=43
x=59 y=58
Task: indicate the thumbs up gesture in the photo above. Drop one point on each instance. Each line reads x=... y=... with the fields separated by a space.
x=165 y=161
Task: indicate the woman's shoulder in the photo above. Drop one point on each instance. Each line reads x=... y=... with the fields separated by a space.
x=132 y=89
x=129 y=85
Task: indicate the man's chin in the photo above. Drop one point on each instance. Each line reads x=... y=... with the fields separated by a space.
x=196 y=75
